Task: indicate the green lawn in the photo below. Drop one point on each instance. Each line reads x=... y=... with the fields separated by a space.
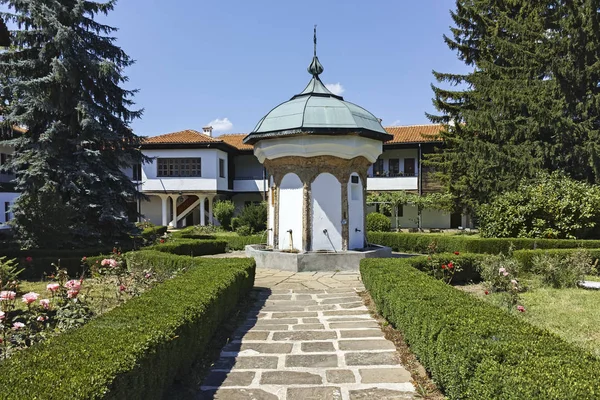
x=573 y=314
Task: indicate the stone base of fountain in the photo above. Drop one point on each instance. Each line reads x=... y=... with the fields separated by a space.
x=314 y=261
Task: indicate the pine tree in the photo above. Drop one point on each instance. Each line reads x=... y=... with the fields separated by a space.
x=530 y=102
x=62 y=82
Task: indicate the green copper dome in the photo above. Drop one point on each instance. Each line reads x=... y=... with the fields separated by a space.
x=317 y=111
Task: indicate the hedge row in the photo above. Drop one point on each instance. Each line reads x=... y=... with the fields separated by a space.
x=419 y=242
x=240 y=242
x=191 y=247
x=473 y=349
x=153 y=232
x=525 y=257
x=136 y=350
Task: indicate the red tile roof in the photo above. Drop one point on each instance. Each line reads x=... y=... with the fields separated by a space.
x=186 y=136
x=236 y=140
x=414 y=133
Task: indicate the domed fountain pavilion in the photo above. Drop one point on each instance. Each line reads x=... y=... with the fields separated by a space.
x=316 y=149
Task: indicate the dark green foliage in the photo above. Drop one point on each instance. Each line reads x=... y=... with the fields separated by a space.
x=153 y=232
x=254 y=216
x=530 y=102
x=61 y=80
x=552 y=206
x=191 y=247
x=240 y=242
x=526 y=257
x=473 y=349
x=419 y=243
x=469 y=264
x=377 y=222
x=197 y=236
x=136 y=350
x=223 y=211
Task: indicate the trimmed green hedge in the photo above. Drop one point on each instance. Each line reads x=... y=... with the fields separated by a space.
x=473 y=349
x=153 y=232
x=136 y=350
x=240 y=242
x=525 y=257
x=191 y=247
x=196 y=236
x=418 y=243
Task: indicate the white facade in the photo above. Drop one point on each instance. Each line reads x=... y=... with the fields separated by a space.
x=356 y=215
x=290 y=213
x=326 y=213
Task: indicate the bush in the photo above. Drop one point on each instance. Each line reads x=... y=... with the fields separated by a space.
x=562 y=271
x=419 y=243
x=240 y=242
x=223 y=211
x=243 y=230
x=191 y=247
x=526 y=257
x=472 y=349
x=553 y=206
x=152 y=232
x=135 y=351
x=235 y=223
x=254 y=216
x=377 y=222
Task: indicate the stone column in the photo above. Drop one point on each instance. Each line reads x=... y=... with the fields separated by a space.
x=165 y=209
x=174 y=222
x=210 y=210
x=345 y=215
x=202 y=218
x=307 y=217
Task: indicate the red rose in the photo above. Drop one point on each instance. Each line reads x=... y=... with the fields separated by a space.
x=456 y=253
x=486 y=292
x=162 y=240
x=443 y=266
x=450 y=265
x=122 y=288
x=29 y=259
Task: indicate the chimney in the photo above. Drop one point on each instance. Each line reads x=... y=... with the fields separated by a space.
x=207 y=130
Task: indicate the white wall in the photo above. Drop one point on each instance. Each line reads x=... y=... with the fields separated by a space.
x=208 y=181
x=6 y=197
x=271 y=217
x=222 y=183
x=355 y=214
x=290 y=211
x=249 y=185
x=152 y=209
x=393 y=183
x=326 y=213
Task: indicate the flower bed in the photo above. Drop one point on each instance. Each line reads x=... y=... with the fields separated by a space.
x=419 y=242
x=136 y=350
x=472 y=349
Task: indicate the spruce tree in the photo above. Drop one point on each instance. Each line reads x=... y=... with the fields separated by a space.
x=530 y=102
x=62 y=81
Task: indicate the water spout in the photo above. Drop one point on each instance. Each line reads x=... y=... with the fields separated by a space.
x=328 y=238
x=291 y=240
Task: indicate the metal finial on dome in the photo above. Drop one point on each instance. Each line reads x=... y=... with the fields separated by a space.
x=315 y=68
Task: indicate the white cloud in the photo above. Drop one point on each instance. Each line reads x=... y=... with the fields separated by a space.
x=335 y=88
x=396 y=123
x=221 y=125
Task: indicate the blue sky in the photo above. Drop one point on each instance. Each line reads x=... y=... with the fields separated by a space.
x=234 y=60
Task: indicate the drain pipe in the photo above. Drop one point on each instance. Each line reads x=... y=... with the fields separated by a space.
x=291 y=240
x=328 y=238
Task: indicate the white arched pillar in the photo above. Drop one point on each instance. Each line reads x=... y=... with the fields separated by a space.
x=164 y=209
x=210 y=210
x=174 y=205
x=202 y=209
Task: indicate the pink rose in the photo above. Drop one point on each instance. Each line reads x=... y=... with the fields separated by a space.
x=72 y=293
x=73 y=284
x=520 y=308
x=148 y=275
x=122 y=288
x=2 y=315
x=514 y=281
x=53 y=287
x=505 y=273
x=502 y=270
x=41 y=318
x=18 y=325
x=7 y=295
x=45 y=303
x=30 y=297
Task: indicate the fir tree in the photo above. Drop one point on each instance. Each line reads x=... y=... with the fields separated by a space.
x=529 y=104
x=62 y=81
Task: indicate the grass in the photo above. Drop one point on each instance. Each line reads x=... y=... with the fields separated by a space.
x=573 y=314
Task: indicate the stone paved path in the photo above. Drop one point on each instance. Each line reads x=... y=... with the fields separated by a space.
x=309 y=337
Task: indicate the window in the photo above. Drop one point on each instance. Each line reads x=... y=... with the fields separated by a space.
x=378 y=167
x=137 y=172
x=394 y=167
x=6 y=211
x=179 y=167
x=400 y=210
x=221 y=168
x=409 y=167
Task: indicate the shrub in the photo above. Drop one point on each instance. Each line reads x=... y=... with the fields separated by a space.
x=472 y=349
x=135 y=351
x=243 y=230
x=419 y=242
x=500 y=273
x=255 y=217
x=562 y=271
x=150 y=233
x=235 y=223
x=377 y=222
x=526 y=257
x=240 y=242
x=191 y=247
x=552 y=206
x=223 y=211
